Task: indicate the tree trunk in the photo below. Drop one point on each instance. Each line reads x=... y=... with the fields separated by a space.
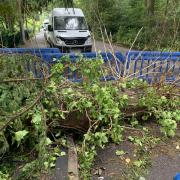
x=151 y=7
x=11 y=24
x=21 y=21
x=166 y=9
x=145 y=3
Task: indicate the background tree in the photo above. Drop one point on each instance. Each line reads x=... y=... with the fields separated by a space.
x=14 y=16
x=123 y=19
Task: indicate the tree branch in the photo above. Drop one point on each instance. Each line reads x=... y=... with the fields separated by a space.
x=13 y=118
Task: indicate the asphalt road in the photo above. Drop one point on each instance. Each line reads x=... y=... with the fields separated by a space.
x=37 y=41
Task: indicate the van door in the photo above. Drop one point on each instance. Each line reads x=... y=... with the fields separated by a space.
x=50 y=35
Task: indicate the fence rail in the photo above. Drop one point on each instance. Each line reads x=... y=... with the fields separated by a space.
x=151 y=66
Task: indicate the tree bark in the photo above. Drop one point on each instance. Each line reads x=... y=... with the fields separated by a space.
x=151 y=7
x=21 y=21
x=166 y=9
x=145 y=3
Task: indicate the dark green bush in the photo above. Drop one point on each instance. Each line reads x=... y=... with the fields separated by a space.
x=10 y=39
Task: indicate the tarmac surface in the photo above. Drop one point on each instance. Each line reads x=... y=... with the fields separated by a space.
x=163 y=159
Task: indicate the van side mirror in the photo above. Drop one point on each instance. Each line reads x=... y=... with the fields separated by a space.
x=50 y=28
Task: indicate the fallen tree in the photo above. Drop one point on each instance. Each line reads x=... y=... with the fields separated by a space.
x=35 y=112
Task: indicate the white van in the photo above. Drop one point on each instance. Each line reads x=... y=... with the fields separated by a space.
x=68 y=30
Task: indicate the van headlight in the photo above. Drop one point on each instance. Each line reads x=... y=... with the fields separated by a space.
x=59 y=41
x=88 y=41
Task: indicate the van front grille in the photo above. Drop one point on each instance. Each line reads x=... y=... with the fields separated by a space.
x=74 y=41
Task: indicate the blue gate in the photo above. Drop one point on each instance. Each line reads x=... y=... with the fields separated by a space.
x=151 y=66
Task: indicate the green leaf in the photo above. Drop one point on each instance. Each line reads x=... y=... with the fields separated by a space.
x=131 y=138
x=120 y=152
x=87 y=137
x=88 y=104
x=125 y=97
x=62 y=153
x=46 y=164
x=52 y=164
x=48 y=142
x=123 y=85
x=138 y=163
x=37 y=120
x=19 y=135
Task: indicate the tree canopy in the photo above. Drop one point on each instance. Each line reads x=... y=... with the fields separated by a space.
x=123 y=19
x=14 y=14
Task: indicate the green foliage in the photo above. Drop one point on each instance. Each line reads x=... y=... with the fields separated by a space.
x=144 y=143
x=101 y=105
x=19 y=136
x=164 y=109
x=36 y=120
x=4 y=143
x=10 y=39
x=123 y=19
x=11 y=13
x=4 y=176
x=168 y=121
x=15 y=97
x=104 y=104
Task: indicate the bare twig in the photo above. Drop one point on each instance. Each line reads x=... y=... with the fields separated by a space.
x=130 y=50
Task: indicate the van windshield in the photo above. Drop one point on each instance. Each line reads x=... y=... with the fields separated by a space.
x=69 y=23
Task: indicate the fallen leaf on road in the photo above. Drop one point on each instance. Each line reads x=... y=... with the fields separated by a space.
x=120 y=152
x=177 y=147
x=142 y=178
x=127 y=160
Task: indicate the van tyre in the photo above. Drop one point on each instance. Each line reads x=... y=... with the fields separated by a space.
x=51 y=45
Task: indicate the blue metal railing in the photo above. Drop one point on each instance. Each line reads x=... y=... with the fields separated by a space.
x=29 y=50
x=151 y=66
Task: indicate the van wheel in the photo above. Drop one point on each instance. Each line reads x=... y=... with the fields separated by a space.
x=48 y=45
x=51 y=45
